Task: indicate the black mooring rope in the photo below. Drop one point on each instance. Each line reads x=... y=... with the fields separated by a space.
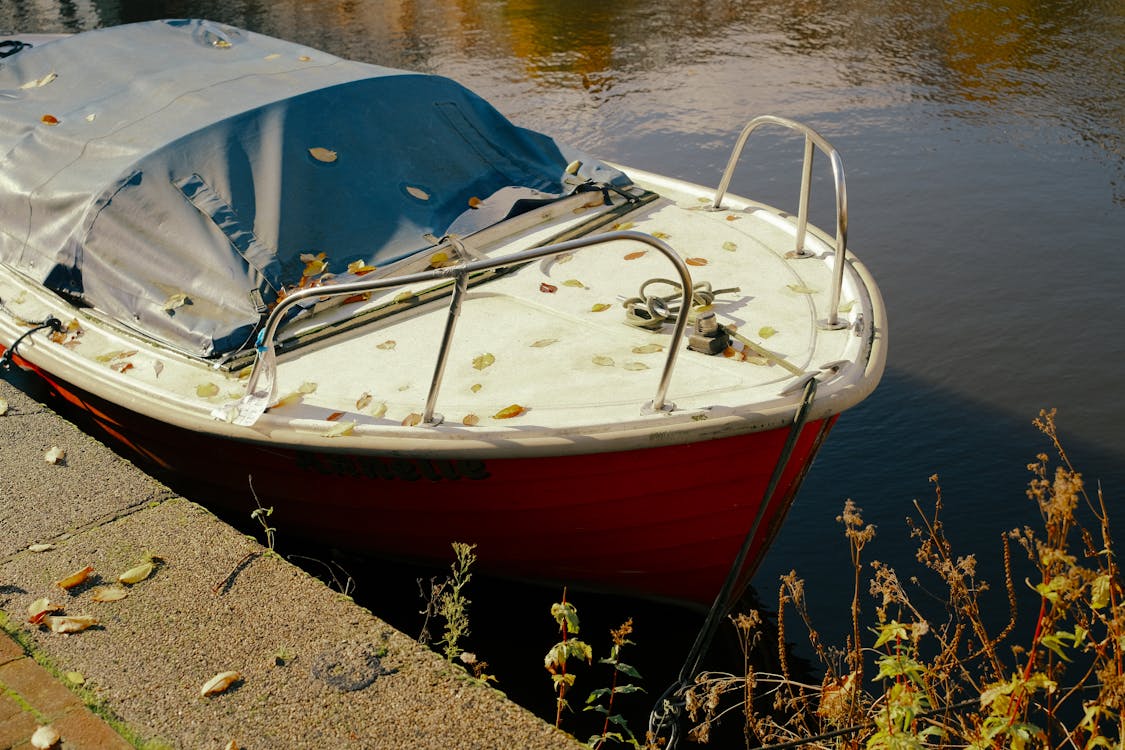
x=51 y=322
x=666 y=714
x=9 y=47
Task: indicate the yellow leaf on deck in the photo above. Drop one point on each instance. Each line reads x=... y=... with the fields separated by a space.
x=363 y=401
x=696 y=261
x=176 y=300
x=418 y=193
x=39 y=81
x=379 y=410
x=574 y=283
x=603 y=361
x=600 y=307
x=624 y=226
x=387 y=345
x=475 y=202
x=470 y=420
x=509 y=411
x=412 y=419
x=635 y=366
x=206 y=390
x=729 y=246
x=307 y=387
x=483 y=361
x=475 y=387
x=766 y=331
x=340 y=429
x=801 y=289
x=539 y=344
x=648 y=349
x=360 y=267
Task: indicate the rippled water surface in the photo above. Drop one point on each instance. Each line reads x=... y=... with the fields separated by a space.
x=986 y=181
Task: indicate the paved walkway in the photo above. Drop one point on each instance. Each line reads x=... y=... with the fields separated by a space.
x=315 y=670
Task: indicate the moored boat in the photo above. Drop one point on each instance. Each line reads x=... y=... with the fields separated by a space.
x=406 y=322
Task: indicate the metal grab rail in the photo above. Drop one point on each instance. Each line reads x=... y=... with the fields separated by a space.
x=260 y=394
x=811 y=137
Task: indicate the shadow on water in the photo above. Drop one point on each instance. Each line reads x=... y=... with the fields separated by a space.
x=878 y=455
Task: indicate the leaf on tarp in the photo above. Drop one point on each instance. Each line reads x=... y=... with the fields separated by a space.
x=648 y=349
x=696 y=261
x=314 y=264
x=111 y=593
x=379 y=410
x=412 y=419
x=3 y=407
x=636 y=254
x=733 y=217
x=508 y=412
x=801 y=289
x=387 y=345
x=600 y=307
x=220 y=683
x=729 y=246
x=418 y=193
x=766 y=331
x=441 y=259
x=483 y=361
x=40 y=81
x=635 y=366
x=846 y=307
x=602 y=361
x=363 y=401
x=540 y=343
x=475 y=387
x=307 y=387
x=325 y=155
x=117 y=354
x=624 y=225
x=179 y=299
x=75 y=578
x=547 y=288
x=575 y=283
x=49 y=120
x=662 y=235
x=470 y=420
x=206 y=390
x=475 y=202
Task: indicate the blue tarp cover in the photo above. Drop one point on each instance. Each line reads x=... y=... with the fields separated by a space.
x=142 y=162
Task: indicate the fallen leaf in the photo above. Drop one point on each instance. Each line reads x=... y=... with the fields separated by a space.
x=483 y=361
x=40 y=81
x=441 y=260
x=475 y=202
x=325 y=155
x=636 y=254
x=543 y=342
x=475 y=387
x=360 y=267
x=387 y=345
x=412 y=419
x=363 y=401
x=661 y=235
x=648 y=349
x=729 y=246
x=45 y=736
x=117 y=354
x=174 y=301
x=206 y=390
x=158 y=367
x=600 y=307
x=340 y=429
x=418 y=193
x=232 y=745
x=470 y=420
x=766 y=331
x=121 y=366
x=314 y=267
x=69 y=623
x=696 y=261
x=404 y=296
x=635 y=366
x=334 y=416
x=846 y=307
x=138 y=573
x=219 y=683
x=548 y=288
x=286 y=400
x=75 y=678
x=624 y=225
x=3 y=407
x=307 y=387
x=379 y=410
x=801 y=289
x=112 y=593
x=55 y=455
x=509 y=411
x=603 y=361
x=40 y=548
x=75 y=578
x=732 y=217
x=40 y=608
x=574 y=283
x=49 y=120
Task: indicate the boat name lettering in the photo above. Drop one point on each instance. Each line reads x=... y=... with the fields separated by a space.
x=406 y=469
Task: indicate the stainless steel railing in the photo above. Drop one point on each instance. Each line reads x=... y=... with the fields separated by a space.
x=261 y=386
x=811 y=138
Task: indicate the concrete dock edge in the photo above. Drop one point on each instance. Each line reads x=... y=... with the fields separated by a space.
x=314 y=669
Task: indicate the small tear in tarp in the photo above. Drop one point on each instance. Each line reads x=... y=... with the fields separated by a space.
x=196 y=162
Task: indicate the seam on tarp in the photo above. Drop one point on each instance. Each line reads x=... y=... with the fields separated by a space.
x=255 y=252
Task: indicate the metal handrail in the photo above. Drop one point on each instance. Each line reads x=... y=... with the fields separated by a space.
x=259 y=395
x=811 y=138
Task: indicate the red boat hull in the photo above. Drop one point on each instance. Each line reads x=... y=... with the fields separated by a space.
x=663 y=523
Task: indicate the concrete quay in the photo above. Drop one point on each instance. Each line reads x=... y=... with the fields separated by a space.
x=315 y=669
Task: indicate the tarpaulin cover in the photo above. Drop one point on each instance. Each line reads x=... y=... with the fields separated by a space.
x=144 y=162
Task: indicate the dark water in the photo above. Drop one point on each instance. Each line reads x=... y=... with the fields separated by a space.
x=986 y=179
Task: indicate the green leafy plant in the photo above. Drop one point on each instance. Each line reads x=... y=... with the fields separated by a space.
x=594 y=702
x=452 y=604
x=568 y=648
